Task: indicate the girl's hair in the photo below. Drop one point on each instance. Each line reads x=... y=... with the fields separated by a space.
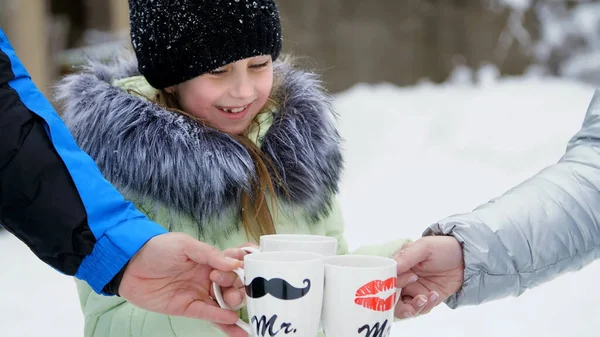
x=255 y=214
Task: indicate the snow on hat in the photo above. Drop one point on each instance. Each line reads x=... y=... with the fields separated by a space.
x=177 y=40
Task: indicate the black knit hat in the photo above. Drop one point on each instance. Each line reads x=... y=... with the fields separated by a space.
x=177 y=40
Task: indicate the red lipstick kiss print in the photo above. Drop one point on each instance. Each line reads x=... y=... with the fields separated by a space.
x=371 y=295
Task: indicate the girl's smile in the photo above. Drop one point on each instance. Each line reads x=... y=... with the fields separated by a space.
x=235 y=113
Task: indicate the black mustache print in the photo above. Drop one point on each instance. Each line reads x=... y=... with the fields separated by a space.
x=277 y=287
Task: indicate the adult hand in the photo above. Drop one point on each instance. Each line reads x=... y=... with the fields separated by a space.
x=170 y=275
x=232 y=287
x=430 y=270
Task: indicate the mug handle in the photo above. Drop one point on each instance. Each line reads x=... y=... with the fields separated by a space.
x=398 y=293
x=221 y=301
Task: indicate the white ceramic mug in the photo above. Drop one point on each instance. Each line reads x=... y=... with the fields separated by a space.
x=284 y=293
x=360 y=296
x=324 y=245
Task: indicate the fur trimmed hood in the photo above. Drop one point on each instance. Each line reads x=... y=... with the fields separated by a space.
x=147 y=151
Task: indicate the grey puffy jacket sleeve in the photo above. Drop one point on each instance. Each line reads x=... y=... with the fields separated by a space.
x=546 y=226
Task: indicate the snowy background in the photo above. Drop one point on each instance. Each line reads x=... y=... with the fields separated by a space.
x=414 y=155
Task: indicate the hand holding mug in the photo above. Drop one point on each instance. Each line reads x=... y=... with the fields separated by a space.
x=436 y=268
x=284 y=293
x=231 y=285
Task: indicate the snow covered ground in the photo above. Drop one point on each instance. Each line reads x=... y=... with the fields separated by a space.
x=413 y=155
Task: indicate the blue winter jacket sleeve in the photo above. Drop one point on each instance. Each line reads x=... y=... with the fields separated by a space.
x=52 y=195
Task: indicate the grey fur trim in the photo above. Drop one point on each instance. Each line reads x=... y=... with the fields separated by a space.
x=150 y=152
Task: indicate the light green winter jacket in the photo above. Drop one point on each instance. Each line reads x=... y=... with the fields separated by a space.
x=188 y=177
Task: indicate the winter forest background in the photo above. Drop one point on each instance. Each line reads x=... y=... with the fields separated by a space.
x=443 y=104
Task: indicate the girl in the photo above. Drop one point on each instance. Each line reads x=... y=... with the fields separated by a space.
x=208 y=135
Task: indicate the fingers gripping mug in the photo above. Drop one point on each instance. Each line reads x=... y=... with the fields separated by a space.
x=284 y=293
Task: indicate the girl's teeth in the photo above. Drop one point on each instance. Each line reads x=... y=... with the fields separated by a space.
x=236 y=110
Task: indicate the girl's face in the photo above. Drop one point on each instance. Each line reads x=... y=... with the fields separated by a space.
x=228 y=98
